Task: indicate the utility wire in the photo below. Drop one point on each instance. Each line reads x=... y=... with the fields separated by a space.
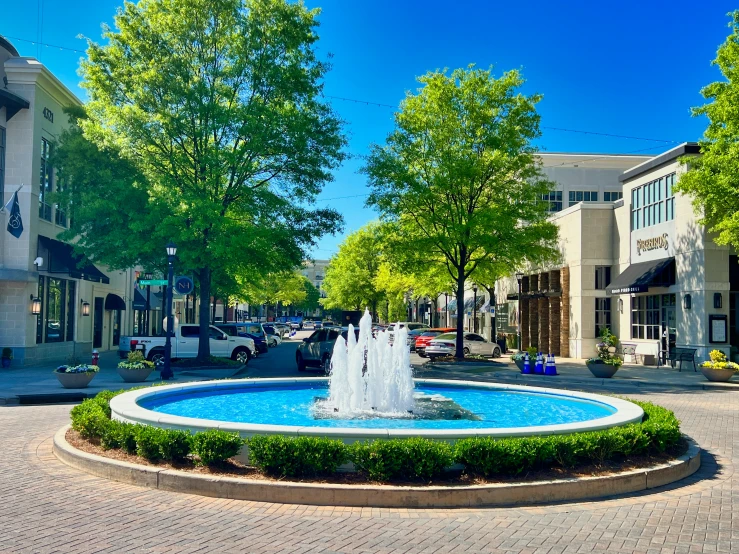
x=35 y=42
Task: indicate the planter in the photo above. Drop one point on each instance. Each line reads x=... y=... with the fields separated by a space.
x=134 y=375
x=719 y=375
x=74 y=380
x=6 y=362
x=519 y=364
x=601 y=370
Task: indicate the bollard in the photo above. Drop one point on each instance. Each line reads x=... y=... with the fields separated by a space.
x=95 y=357
x=526 y=364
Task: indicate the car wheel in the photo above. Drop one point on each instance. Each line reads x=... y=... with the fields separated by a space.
x=466 y=351
x=156 y=356
x=241 y=355
x=326 y=364
x=422 y=354
x=300 y=361
x=496 y=352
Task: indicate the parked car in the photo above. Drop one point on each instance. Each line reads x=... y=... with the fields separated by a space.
x=283 y=329
x=410 y=325
x=273 y=335
x=296 y=325
x=444 y=345
x=309 y=325
x=428 y=334
x=413 y=337
x=315 y=351
x=185 y=345
x=242 y=330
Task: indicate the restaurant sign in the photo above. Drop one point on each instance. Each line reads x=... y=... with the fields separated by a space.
x=652 y=243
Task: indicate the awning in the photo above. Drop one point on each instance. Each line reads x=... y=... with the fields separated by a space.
x=451 y=306
x=485 y=307
x=639 y=277
x=59 y=257
x=469 y=304
x=114 y=302
x=139 y=300
x=12 y=102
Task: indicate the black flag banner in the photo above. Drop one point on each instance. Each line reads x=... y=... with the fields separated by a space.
x=15 y=223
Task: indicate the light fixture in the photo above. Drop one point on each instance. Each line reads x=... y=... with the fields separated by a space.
x=718 y=300
x=171 y=249
x=519 y=276
x=687 y=302
x=35 y=305
x=474 y=287
x=85 y=308
x=620 y=305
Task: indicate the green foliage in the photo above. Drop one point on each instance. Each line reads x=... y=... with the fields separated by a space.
x=412 y=458
x=213 y=447
x=89 y=419
x=175 y=445
x=127 y=433
x=296 y=457
x=149 y=442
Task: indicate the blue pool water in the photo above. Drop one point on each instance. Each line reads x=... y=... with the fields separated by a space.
x=293 y=405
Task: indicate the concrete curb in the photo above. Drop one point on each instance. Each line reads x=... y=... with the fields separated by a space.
x=385 y=496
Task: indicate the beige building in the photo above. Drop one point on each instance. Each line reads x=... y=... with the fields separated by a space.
x=641 y=266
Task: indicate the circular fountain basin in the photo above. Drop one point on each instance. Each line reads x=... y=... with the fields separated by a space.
x=287 y=407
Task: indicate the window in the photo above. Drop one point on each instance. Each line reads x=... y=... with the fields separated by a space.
x=71 y=302
x=602 y=315
x=55 y=307
x=602 y=277
x=216 y=334
x=40 y=318
x=46 y=184
x=609 y=196
x=554 y=198
x=2 y=164
x=583 y=196
x=187 y=331
x=646 y=322
x=333 y=334
x=60 y=216
x=653 y=203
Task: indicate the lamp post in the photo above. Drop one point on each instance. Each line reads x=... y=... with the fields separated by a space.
x=474 y=308
x=167 y=372
x=147 y=315
x=446 y=309
x=519 y=278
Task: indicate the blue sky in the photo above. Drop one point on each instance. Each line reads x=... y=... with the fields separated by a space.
x=632 y=70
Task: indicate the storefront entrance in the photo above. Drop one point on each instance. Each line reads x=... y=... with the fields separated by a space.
x=669 y=322
x=97 y=324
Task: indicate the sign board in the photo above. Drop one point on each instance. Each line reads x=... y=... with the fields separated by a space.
x=183 y=285
x=153 y=282
x=716 y=328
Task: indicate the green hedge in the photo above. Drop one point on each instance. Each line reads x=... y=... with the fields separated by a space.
x=382 y=460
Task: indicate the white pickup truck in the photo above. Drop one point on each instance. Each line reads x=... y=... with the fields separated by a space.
x=185 y=345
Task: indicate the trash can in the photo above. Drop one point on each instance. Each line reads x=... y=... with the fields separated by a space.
x=502 y=343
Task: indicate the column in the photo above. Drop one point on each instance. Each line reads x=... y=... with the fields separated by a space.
x=564 y=342
x=534 y=312
x=524 y=323
x=554 y=325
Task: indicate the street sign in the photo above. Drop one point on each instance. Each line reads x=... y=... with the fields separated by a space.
x=183 y=285
x=153 y=282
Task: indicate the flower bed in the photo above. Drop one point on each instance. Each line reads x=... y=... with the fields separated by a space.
x=658 y=435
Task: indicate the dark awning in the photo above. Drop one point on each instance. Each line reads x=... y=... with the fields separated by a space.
x=139 y=300
x=469 y=302
x=12 y=102
x=59 y=257
x=451 y=306
x=639 y=277
x=114 y=302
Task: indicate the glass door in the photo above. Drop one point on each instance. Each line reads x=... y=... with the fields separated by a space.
x=97 y=324
x=669 y=322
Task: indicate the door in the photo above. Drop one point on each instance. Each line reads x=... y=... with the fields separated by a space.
x=97 y=323
x=669 y=322
x=314 y=347
x=187 y=341
x=219 y=344
x=116 y=325
x=476 y=343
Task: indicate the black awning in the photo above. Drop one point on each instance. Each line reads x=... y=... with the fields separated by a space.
x=639 y=277
x=59 y=257
x=451 y=306
x=114 y=302
x=139 y=300
x=12 y=102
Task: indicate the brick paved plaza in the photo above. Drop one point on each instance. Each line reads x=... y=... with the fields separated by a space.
x=48 y=507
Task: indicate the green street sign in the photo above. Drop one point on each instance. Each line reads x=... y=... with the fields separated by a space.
x=153 y=282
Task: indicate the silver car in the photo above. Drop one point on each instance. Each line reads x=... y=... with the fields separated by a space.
x=445 y=345
x=315 y=350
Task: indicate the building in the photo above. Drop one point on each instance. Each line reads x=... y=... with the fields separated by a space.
x=642 y=266
x=81 y=305
x=315 y=272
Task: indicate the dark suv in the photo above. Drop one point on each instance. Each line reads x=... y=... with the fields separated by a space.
x=316 y=350
x=242 y=330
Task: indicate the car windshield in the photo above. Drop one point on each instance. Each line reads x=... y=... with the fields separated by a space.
x=431 y=333
x=346 y=333
x=447 y=336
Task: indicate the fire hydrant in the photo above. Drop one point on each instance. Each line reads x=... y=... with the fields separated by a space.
x=95 y=357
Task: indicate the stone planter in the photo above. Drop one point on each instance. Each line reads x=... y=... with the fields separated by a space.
x=719 y=375
x=134 y=375
x=602 y=370
x=74 y=380
x=519 y=364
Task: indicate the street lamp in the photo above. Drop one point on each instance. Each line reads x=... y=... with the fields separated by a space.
x=519 y=278
x=147 y=315
x=446 y=309
x=167 y=372
x=474 y=308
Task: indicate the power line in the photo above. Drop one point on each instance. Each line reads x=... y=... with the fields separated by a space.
x=35 y=42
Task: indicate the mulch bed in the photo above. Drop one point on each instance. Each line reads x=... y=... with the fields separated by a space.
x=233 y=468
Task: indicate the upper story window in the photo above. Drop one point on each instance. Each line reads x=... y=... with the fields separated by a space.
x=583 y=196
x=602 y=277
x=653 y=203
x=554 y=198
x=46 y=184
x=60 y=216
x=610 y=196
x=2 y=164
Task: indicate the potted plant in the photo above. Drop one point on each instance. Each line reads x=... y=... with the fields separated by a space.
x=7 y=356
x=135 y=369
x=76 y=376
x=518 y=359
x=718 y=368
x=607 y=363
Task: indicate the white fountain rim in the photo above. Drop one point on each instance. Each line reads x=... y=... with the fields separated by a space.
x=125 y=407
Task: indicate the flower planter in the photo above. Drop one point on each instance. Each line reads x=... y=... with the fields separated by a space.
x=602 y=370
x=6 y=362
x=718 y=375
x=519 y=364
x=134 y=375
x=74 y=380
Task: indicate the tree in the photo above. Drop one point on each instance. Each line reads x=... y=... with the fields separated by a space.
x=460 y=179
x=218 y=104
x=713 y=178
x=312 y=298
x=349 y=282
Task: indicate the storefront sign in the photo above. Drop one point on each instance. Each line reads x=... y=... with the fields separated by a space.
x=631 y=290
x=653 y=243
x=48 y=114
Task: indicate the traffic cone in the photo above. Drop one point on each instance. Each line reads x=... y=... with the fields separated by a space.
x=551 y=368
x=539 y=365
x=526 y=364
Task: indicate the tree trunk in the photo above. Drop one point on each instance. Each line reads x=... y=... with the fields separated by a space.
x=374 y=311
x=204 y=342
x=459 y=350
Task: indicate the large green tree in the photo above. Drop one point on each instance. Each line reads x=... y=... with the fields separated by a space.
x=460 y=178
x=217 y=104
x=712 y=179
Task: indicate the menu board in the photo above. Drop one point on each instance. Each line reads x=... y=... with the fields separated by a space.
x=717 y=328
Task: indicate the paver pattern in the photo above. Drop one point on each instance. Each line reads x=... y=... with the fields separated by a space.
x=47 y=507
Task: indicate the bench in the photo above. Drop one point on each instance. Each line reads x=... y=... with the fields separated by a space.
x=682 y=355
